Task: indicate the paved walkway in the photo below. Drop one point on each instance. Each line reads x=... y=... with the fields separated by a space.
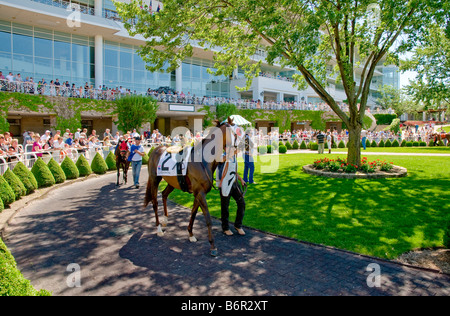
x=104 y=231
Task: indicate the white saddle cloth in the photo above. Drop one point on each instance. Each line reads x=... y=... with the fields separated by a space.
x=167 y=165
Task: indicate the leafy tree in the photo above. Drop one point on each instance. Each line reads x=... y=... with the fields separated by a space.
x=134 y=111
x=355 y=35
x=431 y=61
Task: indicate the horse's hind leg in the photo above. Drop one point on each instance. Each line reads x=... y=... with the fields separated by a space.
x=118 y=174
x=151 y=195
x=165 y=195
x=204 y=205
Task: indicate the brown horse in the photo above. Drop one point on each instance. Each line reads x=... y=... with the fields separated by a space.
x=199 y=177
x=440 y=136
x=122 y=162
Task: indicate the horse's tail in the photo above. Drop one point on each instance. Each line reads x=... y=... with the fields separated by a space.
x=148 y=194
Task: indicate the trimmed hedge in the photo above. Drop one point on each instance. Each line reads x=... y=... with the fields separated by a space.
x=56 y=171
x=6 y=192
x=303 y=145
x=111 y=161
x=282 y=149
x=374 y=144
x=42 y=174
x=26 y=177
x=98 y=164
x=15 y=184
x=83 y=166
x=295 y=145
x=288 y=145
x=12 y=282
x=262 y=150
x=70 y=169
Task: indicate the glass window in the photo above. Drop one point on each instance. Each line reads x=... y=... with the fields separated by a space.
x=23 y=63
x=125 y=60
x=5 y=40
x=62 y=68
x=138 y=62
x=22 y=44
x=62 y=50
x=5 y=63
x=111 y=73
x=111 y=58
x=196 y=71
x=42 y=67
x=126 y=75
x=80 y=54
x=43 y=48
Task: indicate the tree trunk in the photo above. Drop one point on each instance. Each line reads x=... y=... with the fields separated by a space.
x=354 y=144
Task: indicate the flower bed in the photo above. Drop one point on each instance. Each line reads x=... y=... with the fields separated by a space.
x=339 y=168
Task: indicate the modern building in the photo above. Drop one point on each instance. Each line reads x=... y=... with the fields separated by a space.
x=83 y=42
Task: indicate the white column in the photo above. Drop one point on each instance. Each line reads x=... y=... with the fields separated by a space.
x=98 y=7
x=98 y=60
x=179 y=80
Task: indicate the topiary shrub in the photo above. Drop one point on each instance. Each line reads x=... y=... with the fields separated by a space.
x=395 y=143
x=388 y=143
x=368 y=144
x=314 y=146
x=26 y=177
x=42 y=174
x=381 y=143
x=295 y=145
x=262 y=150
x=6 y=192
x=269 y=149
x=415 y=143
x=374 y=144
x=288 y=145
x=56 y=171
x=15 y=184
x=403 y=143
x=341 y=144
x=111 y=161
x=83 y=166
x=422 y=144
x=409 y=144
x=99 y=165
x=303 y=145
x=70 y=169
x=282 y=149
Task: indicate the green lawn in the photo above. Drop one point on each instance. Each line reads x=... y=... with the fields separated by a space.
x=383 y=218
x=408 y=150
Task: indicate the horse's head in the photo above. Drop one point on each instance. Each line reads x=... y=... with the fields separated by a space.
x=231 y=133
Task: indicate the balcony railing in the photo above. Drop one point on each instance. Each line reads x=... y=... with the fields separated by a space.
x=68 y=6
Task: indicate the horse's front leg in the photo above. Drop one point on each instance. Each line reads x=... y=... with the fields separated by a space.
x=165 y=195
x=118 y=174
x=192 y=220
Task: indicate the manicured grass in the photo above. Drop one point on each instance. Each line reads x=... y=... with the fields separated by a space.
x=408 y=150
x=383 y=218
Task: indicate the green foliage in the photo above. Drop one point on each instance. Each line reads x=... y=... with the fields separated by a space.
x=98 y=164
x=422 y=144
x=313 y=146
x=388 y=143
x=134 y=111
x=270 y=149
x=2 y=206
x=409 y=144
x=6 y=192
x=12 y=282
x=83 y=166
x=403 y=143
x=111 y=161
x=415 y=144
x=303 y=145
x=341 y=144
x=385 y=119
x=26 y=176
x=15 y=184
x=374 y=144
x=395 y=126
x=368 y=144
x=70 y=169
x=56 y=170
x=262 y=150
x=295 y=145
x=42 y=174
x=282 y=149
x=395 y=143
x=223 y=111
x=288 y=145
x=381 y=143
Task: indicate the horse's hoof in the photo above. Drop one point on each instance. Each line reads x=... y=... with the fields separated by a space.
x=214 y=252
x=160 y=234
x=192 y=239
x=163 y=221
